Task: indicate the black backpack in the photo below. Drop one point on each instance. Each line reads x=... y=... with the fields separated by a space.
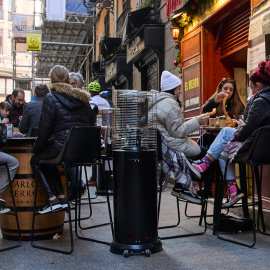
x=3 y=135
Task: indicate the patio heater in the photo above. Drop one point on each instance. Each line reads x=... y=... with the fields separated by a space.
x=134 y=167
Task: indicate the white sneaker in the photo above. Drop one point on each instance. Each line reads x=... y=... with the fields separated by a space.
x=234 y=201
x=4 y=210
x=193 y=171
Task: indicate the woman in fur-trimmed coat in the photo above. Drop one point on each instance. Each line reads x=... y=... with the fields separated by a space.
x=62 y=109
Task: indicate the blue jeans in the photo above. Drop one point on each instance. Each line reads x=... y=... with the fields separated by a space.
x=217 y=147
x=13 y=165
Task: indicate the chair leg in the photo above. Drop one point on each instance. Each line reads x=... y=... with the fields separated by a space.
x=203 y=212
x=260 y=210
x=95 y=226
x=34 y=215
x=253 y=212
x=15 y=210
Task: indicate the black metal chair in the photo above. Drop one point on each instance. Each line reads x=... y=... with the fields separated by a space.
x=256 y=155
x=203 y=203
x=13 y=210
x=81 y=148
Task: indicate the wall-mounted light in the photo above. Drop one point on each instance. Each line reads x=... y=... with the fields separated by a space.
x=175 y=32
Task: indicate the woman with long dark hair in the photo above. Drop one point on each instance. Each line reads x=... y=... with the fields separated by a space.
x=234 y=105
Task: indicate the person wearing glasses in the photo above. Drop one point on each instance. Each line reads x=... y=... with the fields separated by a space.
x=16 y=100
x=234 y=105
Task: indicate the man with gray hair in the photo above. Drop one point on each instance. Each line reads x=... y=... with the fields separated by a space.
x=76 y=80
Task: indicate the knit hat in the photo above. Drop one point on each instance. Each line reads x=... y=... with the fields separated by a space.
x=169 y=81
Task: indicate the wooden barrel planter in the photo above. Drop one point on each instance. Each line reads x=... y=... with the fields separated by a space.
x=23 y=184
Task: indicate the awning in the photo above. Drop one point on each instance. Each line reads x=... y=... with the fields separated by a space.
x=110 y=46
x=136 y=19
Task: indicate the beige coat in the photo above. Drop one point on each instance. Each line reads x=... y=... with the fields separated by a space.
x=171 y=123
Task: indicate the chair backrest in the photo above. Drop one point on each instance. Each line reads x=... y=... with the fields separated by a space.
x=259 y=151
x=82 y=145
x=104 y=134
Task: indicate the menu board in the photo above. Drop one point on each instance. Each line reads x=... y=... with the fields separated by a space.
x=191 y=88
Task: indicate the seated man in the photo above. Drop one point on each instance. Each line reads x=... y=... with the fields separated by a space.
x=31 y=110
x=16 y=100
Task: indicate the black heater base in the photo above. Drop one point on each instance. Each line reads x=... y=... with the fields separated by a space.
x=135 y=203
x=128 y=250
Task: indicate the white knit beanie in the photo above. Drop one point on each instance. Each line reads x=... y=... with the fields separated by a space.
x=169 y=81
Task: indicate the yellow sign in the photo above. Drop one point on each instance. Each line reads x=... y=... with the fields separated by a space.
x=34 y=41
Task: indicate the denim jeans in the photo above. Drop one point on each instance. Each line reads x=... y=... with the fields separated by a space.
x=217 y=147
x=13 y=165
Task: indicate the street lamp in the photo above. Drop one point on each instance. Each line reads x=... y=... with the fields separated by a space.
x=175 y=32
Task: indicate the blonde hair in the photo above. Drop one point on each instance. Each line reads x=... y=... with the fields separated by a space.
x=59 y=74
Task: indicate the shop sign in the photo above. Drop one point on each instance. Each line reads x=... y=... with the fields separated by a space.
x=134 y=48
x=34 y=41
x=191 y=89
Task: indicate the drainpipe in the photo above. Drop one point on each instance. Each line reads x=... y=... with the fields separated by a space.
x=115 y=16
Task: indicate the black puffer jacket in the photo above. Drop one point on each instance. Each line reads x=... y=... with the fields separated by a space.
x=63 y=108
x=259 y=115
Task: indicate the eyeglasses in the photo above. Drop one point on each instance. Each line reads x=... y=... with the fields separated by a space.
x=21 y=100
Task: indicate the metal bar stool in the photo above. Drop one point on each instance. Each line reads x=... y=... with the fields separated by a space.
x=81 y=148
x=13 y=211
x=203 y=202
x=257 y=155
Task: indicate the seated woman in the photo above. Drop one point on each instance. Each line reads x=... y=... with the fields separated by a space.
x=258 y=116
x=62 y=109
x=166 y=110
x=234 y=105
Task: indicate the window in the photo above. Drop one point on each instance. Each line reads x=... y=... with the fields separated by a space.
x=1 y=10
x=107 y=24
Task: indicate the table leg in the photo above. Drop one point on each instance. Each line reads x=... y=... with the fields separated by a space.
x=243 y=183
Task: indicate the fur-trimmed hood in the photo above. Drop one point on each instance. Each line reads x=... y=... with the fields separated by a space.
x=70 y=97
x=70 y=91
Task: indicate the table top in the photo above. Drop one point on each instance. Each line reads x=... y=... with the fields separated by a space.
x=211 y=128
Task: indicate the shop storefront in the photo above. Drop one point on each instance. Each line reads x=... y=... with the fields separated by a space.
x=214 y=46
x=145 y=47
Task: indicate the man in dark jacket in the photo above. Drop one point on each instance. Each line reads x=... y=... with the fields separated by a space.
x=16 y=99
x=31 y=110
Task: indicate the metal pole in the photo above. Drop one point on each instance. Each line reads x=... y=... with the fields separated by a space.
x=65 y=44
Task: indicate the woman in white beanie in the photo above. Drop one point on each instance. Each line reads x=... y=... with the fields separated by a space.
x=170 y=119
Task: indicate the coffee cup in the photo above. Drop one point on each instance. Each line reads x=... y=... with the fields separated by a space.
x=212 y=122
x=222 y=121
